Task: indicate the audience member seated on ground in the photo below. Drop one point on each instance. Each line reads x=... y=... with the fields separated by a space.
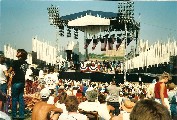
x=149 y=110
x=90 y=104
x=172 y=95
x=72 y=103
x=85 y=87
x=104 y=109
x=142 y=96
x=126 y=108
x=4 y=116
x=79 y=95
x=60 y=91
x=51 y=97
x=69 y=91
x=41 y=109
x=60 y=103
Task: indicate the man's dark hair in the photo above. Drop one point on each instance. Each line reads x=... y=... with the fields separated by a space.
x=23 y=54
x=149 y=109
x=101 y=98
x=71 y=104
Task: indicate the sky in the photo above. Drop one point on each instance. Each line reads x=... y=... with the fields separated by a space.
x=21 y=20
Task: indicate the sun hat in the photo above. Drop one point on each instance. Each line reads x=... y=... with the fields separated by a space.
x=45 y=93
x=127 y=105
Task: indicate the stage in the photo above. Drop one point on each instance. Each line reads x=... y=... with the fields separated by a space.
x=103 y=77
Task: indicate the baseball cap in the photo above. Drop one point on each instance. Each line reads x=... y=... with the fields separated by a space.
x=45 y=92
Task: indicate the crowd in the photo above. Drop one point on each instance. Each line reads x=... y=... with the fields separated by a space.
x=102 y=66
x=105 y=66
x=48 y=98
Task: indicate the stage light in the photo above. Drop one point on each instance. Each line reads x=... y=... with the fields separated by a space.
x=125 y=16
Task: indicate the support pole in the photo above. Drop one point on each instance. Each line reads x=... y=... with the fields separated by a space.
x=125 y=52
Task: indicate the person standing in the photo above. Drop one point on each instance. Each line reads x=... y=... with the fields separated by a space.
x=113 y=97
x=3 y=75
x=160 y=90
x=18 y=70
x=3 y=81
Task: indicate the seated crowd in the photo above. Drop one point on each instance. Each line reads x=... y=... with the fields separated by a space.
x=105 y=101
x=86 y=100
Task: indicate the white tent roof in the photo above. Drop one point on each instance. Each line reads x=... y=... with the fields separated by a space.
x=89 y=20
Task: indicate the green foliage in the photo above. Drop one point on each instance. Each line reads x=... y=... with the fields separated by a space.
x=103 y=57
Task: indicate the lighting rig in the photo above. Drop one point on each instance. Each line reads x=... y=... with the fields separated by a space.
x=125 y=17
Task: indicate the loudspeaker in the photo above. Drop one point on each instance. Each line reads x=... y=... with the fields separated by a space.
x=69 y=53
x=173 y=64
x=34 y=57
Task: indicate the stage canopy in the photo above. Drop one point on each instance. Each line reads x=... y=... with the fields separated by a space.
x=94 y=22
x=100 y=14
x=90 y=21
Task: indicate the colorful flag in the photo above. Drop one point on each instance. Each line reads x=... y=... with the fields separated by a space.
x=95 y=42
x=104 y=42
x=119 y=41
x=87 y=43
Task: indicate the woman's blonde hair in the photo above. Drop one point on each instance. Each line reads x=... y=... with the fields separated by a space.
x=165 y=75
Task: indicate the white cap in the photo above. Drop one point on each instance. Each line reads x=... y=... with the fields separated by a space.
x=45 y=92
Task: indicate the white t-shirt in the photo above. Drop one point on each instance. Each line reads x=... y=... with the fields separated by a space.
x=2 y=75
x=28 y=75
x=50 y=100
x=72 y=116
x=103 y=112
x=62 y=106
x=50 y=81
x=4 y=116
x=41 y=74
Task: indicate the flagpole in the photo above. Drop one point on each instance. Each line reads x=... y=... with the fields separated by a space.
x=125 y=52
x=126 y=16
x=86 y=50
